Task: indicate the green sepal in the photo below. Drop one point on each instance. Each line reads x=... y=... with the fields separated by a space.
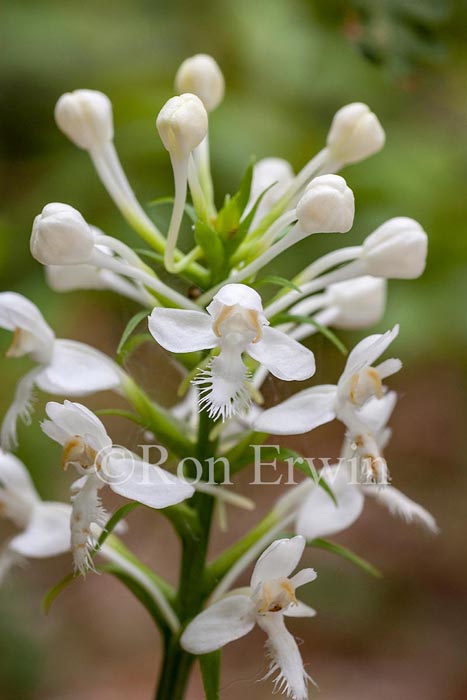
x=210 y=665
x=292 y=318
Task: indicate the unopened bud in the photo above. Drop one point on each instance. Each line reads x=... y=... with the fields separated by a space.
x=355 y=134
x=182 y=124
x=326 y=206
x=85 y=116
x=360 y=302
x=397 y=249
x=201 y=76
x=60 y=236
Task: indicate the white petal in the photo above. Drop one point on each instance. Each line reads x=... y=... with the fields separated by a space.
x=18 y=312
x=223 y=622
x=285 y=658
x=375 y=413
x=278 y=560
x=284 y=357
x=150 y=485
x=182 y=331
x=303 y=577
x=48 y=533
x=15 y=477
x=389 y=367
x=401 y=505
x=368 y=350
x=70 y=419
x=299 y=610
x=319 y=516
x=77 y=370
x=302 y=412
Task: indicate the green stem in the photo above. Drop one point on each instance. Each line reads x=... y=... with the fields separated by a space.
x=195 y=541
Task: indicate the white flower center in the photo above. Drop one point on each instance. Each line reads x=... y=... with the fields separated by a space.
x=275 y=596
x=365 y=384
x=239 y=324
x=76 y=451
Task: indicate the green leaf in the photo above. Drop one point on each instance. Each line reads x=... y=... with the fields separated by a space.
x=212 y=246
x=53 y=593
x=210 y=665
x=130 y=327
x=345 y=554
x=113 y=522
x=228 y=219
x=292 y=318
x=233 y=242
x=278 y=281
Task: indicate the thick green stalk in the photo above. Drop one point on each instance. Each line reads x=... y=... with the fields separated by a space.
x=195 y=541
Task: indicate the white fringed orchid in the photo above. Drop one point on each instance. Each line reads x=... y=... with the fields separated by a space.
x=234 y=323
x=270 y=597
x=44 y=525
x=88 y=447
x=359 y=382
x=64 y=367
x=317 y=515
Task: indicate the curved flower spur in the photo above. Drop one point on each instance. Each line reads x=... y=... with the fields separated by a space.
x=234 y=322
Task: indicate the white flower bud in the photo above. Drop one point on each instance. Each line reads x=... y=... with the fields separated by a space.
x=397 y=249
x=326 y=206
x=60 y=236
x=85 y=116
x=182 y=124
x=360 y=302
x=355 y=134
x=275 y=173
x=201 y=76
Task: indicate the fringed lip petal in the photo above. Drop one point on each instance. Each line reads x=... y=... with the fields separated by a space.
x=301 y=413
x=182 y=331
x=286 y=661
x=229 y=619
x=284 y=357
x=402 y=506
x=48 y=533
x=278 y=560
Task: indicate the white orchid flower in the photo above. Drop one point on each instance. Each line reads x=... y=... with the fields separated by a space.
x=270 y=597
x=64 y=367
x=321 y=404
x=44 y=525
x=316 y=513
x=234 y=323
x=88 y=447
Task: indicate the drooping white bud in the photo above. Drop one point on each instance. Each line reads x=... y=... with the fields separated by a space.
x=182 y=124
x=355 y=134
x=201 y=76
x=60 y=236
x=85 y=116
x=360 y=302
x=326 y=206
x=397 y=249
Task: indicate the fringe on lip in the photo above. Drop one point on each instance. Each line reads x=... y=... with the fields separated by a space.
x=87 y=510
x=237 y=397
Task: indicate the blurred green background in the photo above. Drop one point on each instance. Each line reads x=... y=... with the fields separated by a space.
x=289 y=65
